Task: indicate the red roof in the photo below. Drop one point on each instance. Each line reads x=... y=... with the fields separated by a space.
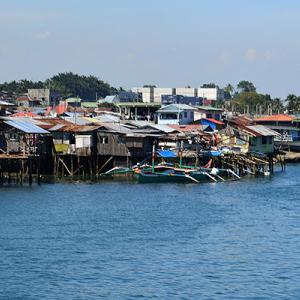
x=25 y=114
x=275 y=118
x=61 y=108
x=214 y=121
x=23 y=98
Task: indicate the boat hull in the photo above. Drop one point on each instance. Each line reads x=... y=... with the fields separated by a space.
x=199 y=176
x=162 y=178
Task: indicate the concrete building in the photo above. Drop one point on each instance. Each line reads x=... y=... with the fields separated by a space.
x=187 y=92
x=26 y=101
x=45 y=96
x=211 y=94
x=146 y=94
x=208 y=112
x=155 y=94
x=178 y=114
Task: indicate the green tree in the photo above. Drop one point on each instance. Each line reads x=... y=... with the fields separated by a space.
x=228 y=91
x=85 y=87
x=293 y=103
x=149 y=86
x=277 y=106
x=209 y=85
x=20 y=87
x=245 y=86
x=248 y=102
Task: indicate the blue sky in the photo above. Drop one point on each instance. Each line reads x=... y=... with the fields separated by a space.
x=164 y=42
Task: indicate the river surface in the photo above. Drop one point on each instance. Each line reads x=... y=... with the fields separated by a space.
x=120 y=240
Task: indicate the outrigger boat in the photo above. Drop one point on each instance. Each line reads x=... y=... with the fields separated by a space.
x=169 y=173
x=166 y=172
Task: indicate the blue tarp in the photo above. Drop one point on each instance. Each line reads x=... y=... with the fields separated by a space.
x=166 y=153
x=215 y=153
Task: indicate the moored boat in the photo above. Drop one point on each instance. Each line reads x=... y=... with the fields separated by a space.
x=166 y=176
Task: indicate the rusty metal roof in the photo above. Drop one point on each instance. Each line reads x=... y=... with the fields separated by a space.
x=261 y=130
x=74 y=128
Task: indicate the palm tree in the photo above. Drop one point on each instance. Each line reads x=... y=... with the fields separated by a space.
x=292 y=103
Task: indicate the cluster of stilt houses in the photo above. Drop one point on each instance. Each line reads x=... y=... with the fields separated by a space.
x=35 y=148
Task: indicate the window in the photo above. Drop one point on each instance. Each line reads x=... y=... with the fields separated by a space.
x=264 y=140
x=252 y=141
x=104 y=140
x=185 y=114
x=167 y=116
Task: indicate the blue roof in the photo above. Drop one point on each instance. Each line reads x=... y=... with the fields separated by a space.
x=166 y=153
x=26 y=127
x=215 y=153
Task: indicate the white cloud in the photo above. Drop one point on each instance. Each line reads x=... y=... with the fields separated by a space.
x=251 y=54
x=42 y=36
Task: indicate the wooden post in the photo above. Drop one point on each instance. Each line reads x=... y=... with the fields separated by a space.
x=30 y=170
x=9 y=174
x=153 y=157
x=72 y=165
x=21 y=171
x=180 y=154
x=39 y=170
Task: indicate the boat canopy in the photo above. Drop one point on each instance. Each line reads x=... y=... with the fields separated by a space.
x=166 y=153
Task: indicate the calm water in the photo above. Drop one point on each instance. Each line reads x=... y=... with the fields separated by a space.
x=124 y=241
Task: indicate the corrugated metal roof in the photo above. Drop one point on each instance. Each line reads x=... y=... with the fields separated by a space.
x=57 y=127
x=275 y=127
x=77 y=120
x=87 y=128
x=116 y=127
x=163 y=128
x=138 y=123
x=26 y=127
x=106 y=118
x=74 y=128
x=4 y=103
x=176 y=108
x=37 y=122
x=190 y=128
x=263 y=130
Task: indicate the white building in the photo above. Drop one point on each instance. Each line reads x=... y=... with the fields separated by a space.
x=178 y=114
x=187 y=92
x=154 y=94
x=212 y=94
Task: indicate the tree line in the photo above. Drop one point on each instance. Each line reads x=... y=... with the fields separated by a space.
x=65 y=84
x=244 y=98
